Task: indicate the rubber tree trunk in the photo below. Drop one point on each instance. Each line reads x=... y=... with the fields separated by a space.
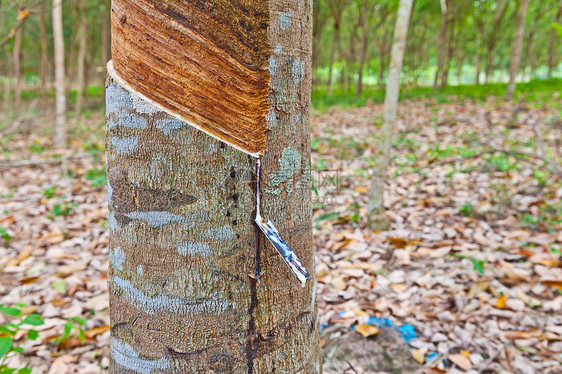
x=364 y=47
x=516 y=50
x=376 y=216
x=81 y=72
x=44 y=64
x=552 y=43
x=60 y=98
x=106 y=32
x=335 y=47
x=16 y=58
x=442 y=44
x=501 y=10
x=194 y=286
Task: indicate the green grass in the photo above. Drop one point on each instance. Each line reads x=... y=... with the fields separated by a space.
x=535 y=90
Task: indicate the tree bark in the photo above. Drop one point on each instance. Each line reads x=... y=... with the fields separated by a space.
x=106 y=33
x=336 y=9
x=552 y=42
x=16 y=58
x=376 y=216
x=60 y=98
x=451 y=35
x=81 y=72
x=442 y=44
x=44 y=64
x=194 y=286
x=516 y=50
x=364 y=47
x=334 y=46
x=501 y=10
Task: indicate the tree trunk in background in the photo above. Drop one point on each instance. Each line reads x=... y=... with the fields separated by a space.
x=60 y=120
x=106 y=33
x=318 y=27
x=451 y=35
x=364 y=47
x=376 y=215
x=44 y=64
x=73 y=48
x=81 y=72
x=527 y=57
x=194 y=286
x=6 y=68
x=501 y=10
x=336 y=9
x=552 y=43
x=442 y=44
x=335 y=45
x=516 y=50
x=382 y=55
x=16 y=58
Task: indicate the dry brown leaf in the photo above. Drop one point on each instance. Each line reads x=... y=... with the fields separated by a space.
x=478 y=287
x=367 y=330
x=533 y=333
x=66 y=270
x=346 y=242
x=553 y=283
x=29 y=309
x=418 y=356
x=92 y=333
x=501 y=301
x=22 y=256
x=461 y=361
x=401 y=243
x=59 y=302
x=515 y=272
x=29 y=280
x=55 y=237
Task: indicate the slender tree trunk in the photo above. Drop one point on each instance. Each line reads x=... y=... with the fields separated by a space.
x=16 y=58
x=516 y=50
x=60 y=120
x=106 y=33
x=364 y=47
x=552 y=42
x=44 y=64
x=335 y=46
x=442 y=44
x=73 y=48
x=7 y=70
x=194 y=286
x=376 y=216
x=81 y=73
x=501 y=10
x=382 y=56
x=450 y=52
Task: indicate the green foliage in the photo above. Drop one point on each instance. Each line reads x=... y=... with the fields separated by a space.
x=466 y=210
x=74 y=324
x=63 y=209
x=49 y=192
x=478 y=265
x=60 y=286
x=35 y=148
x=499 y=161
x=97 y=177
x=5 y=235
x=18 y=323
x=534 y=90
x=327 y=217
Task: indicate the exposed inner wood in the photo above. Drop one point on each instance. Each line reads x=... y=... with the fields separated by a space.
x=206 y=62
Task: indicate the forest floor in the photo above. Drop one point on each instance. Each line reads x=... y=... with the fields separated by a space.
x=467 y=279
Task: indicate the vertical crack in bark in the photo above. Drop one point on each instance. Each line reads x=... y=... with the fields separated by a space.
x=253 y=344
